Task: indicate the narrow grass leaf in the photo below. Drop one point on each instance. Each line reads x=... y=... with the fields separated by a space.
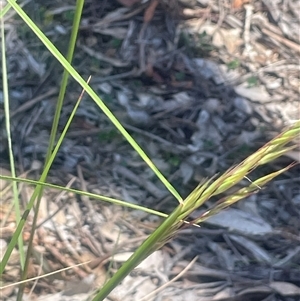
x=152 y=243
x=9 y=142
x=36 y=192
x=94 y=96
x=87 y=194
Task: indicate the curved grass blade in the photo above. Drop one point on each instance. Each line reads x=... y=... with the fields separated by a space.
x=54 y=51
x=63 y=86
x=87 y=194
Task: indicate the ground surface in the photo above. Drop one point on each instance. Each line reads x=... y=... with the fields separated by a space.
x=199 y=85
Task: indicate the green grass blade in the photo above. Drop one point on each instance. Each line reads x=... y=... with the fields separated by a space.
x=36 y=192
x=94 y=96
x=9 y=142
x=63 y=86
x=5 y=10
x=197 y=197
x=151 y=244
x=87 y=194
x=65 y=77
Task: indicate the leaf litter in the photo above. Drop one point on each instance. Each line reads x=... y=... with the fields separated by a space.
x=199 y=84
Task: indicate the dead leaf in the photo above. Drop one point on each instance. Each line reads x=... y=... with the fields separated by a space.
x=294 y=154
x=182 y=84
x=79 y=287
x=239 y=3
x=282 y=288
x=230 y=38
x=128 y=3
x=257 y=252
x=186 y=171
x=149 y=12
x=7 y=291
x=240 y=221
x=256 y=93
x=285 y=288
x=247 y=137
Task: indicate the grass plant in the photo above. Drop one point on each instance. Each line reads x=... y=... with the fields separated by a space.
x=172 y=223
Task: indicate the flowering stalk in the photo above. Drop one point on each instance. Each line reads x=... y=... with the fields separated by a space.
x=169 y=228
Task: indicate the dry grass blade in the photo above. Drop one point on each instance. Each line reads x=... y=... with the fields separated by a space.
x=44 y=276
